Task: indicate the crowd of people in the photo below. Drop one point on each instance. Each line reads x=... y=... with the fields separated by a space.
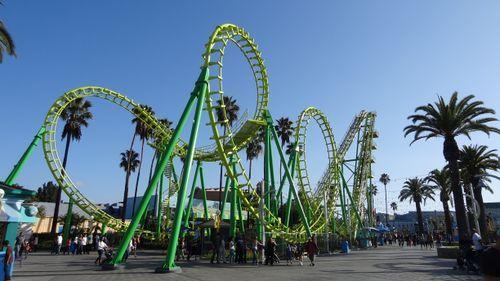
x=237 y=250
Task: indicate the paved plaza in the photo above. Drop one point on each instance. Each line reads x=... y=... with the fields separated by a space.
x=383 y=263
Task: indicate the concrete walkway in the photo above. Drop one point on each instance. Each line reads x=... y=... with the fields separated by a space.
x=383 y=263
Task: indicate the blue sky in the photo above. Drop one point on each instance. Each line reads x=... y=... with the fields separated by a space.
x=342 y=57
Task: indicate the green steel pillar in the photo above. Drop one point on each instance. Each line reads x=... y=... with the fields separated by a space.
x=18 y=167
x=67 y=220
x=201 y=87
x=224 y=197
x=104 y=229
x=204 y=193
x=187 y=213
x=232 y=218
x=267 y=174
x=289 y=197
x=159 y=218
x=241 y=223
x=274 y=202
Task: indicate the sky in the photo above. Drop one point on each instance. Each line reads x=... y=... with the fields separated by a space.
x=339 y=56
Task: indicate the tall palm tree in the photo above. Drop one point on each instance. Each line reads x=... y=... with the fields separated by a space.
x=394 y=207
x=418 y=191
x=6 y=43
x=231 y=114
x=476 y=164
x=253 y=150
x=385 y=179
x=440 y=181
x=129 y=162
x=144 y=132
x=284 y=131
x=76 y=115
x=450 y=120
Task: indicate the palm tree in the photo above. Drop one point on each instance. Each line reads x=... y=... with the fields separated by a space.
x=440 y=180
x=284 y=131
x=394 y=207
x=129 y=163
x=384 y=179
x=6 y=42
x=417 y=190
x=144 y=132
x=449 y=120
x=475 y=164
x=230 y=114
x=373 y=190
x=76 y=115
x=254 y=149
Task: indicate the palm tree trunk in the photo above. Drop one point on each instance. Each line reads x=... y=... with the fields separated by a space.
x=125 y=196
x=127 y=176
x=419 y=218
x=138 y=177
x=447 y=218
x=470 y=207
x=250 y=169
x=59 y=191
x=145 y=216
x=386 y=212
x=451 y=154
x=478 y=194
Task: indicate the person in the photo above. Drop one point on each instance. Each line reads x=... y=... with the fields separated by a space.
x=298 y=254
x=8 y=261
x=270 y=251
x=67 y=248
x=222 y=250
x=289 y=254
x=59 y=241
x=19 y=244
x=240 y=250
x=476 y=240
x=35 y=243
x=101 y=247
x=490 y=260
x=232 y=250
x=216 y=245
x=255 y=249
x=312 y=250
x=88 y=243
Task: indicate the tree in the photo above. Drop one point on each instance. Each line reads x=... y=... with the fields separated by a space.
x=253 y=150
x=418 y=191
x=227 y=110
x=394 y=207
x=144 y=132
x=284 y=131
x=46 y=193
x=450 y=120
x=384 y=179
x=373 y=190
x=440 y=180
x=6 y=42
x=76 y=115
x=476 y=162
x=129 y=163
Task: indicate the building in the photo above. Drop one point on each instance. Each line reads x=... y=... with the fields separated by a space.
x=493 y=210
x=46 y=217
x=14 y=212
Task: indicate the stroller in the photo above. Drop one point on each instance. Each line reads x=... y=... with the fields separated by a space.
x=108 y=256
x=468 y=260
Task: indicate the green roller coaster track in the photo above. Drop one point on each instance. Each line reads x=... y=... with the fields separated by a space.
x=339 y=204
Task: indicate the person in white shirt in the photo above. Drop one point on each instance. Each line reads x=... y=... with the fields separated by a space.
x=101 y=247
x=59 y=243
x=476 y=240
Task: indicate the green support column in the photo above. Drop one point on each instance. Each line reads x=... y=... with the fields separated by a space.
x=267 y=175
x=201 y=86
x=353 y=208
x=204 y=193
x=224 y=199
x=274 y=202
x=232 y=218
x=241 y=223
x=159 y=218
x=18 y=167
x=201 y=92
x=67 y=220
x=187 y=213
x=289 y=197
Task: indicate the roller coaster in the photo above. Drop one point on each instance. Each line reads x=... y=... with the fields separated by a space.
x=340 y=203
